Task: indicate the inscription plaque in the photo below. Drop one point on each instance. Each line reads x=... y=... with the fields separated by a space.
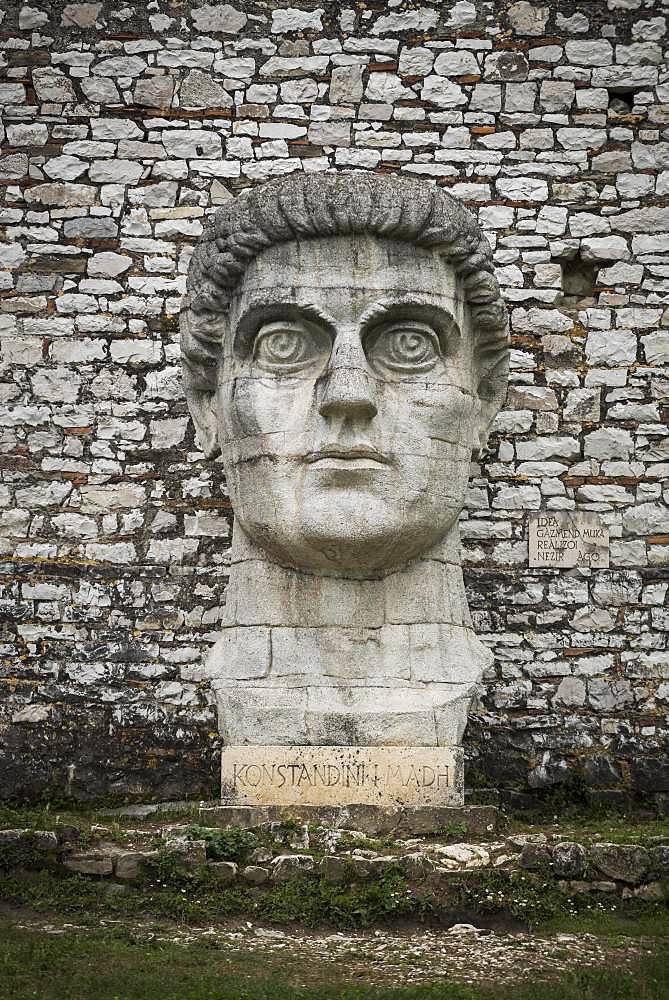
x=565 y=539
x=340 y=776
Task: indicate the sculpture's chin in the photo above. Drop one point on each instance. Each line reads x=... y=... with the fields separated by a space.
x=323 y=550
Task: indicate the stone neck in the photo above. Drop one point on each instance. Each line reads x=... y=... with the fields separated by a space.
x=429 y=589
x=306 y=659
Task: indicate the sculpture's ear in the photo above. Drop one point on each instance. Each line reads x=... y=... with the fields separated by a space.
x=200 y=349
x=491 y=394
x=202 y=406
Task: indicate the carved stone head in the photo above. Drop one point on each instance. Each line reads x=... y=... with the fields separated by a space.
x=345 y=349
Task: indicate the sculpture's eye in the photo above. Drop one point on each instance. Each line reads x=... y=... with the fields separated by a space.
x=407 y=348
x=285 y=347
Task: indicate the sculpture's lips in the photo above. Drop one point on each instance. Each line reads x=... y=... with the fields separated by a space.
x=347 y=454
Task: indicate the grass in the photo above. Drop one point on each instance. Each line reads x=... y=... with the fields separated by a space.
x=198 y=898
x=50 y=816
x=116 y=966
x=587 y=825
x=574 y=821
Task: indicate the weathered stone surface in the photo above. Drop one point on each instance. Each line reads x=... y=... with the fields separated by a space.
x=519 y=840
x=527 y=18
x=154 y=92
x=27 y=135
x=286 y=867
x=61 y=195
x=128 y=866
x=385 y=88
x=346 y=84
x=225 y=872
x=622 y=862
x=535 y=857
x=659 y=859
x=199 y=90
x=286 y=66
x=188 y=143
x=568 y=860
x=108 y=264
x=508 y=66
x=12 y=836
x=476 y=821
x=422 y=19
x=115 y=172
x=442 y=92
x=566 y=540
x=416 y=61
x=333 y=869
x=51 y=84
x=13 y=167
x=415 y=865
x=218 y=18
x=80 y=15
x=191 y=853
x=293 y=19
x=92 y=863
x=256 y=874
x=115 y=66
x=457 y=62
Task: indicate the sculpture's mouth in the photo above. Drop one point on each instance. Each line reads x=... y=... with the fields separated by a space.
x=359 y=456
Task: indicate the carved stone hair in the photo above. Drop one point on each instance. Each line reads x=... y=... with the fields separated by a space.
x=306 y=206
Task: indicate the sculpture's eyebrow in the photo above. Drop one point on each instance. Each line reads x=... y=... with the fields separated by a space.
x=283 y=303
x=423 y=303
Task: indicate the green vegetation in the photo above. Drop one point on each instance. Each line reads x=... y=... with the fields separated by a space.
x=577 y=821
x=119 y=966
x=232 y=844
x=172 y=891
x=585 y=827
x=196 y=897
x=379 y=844
x=26 y=855
x=451 y=831
x=51 y=815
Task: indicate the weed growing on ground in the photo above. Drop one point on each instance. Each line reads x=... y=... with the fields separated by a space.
x=173 y=892
x=348 y=843
x=233 y=844
x=26 y=855
x=451 y=831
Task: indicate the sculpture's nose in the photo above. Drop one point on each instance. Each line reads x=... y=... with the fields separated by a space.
x=347 y=389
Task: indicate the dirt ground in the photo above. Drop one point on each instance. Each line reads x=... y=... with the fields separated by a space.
x=462 y=953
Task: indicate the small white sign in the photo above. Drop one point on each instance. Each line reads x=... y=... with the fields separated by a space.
x=564 y=539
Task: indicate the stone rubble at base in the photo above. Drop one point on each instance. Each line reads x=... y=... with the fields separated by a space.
x=122 y=540
x=622 y=870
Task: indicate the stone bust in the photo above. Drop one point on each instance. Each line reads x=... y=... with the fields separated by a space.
x=345 y=350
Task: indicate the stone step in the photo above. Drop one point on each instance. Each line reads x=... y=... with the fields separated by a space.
x=374 y=821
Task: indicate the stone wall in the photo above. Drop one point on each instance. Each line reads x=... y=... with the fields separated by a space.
x=124 y=125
